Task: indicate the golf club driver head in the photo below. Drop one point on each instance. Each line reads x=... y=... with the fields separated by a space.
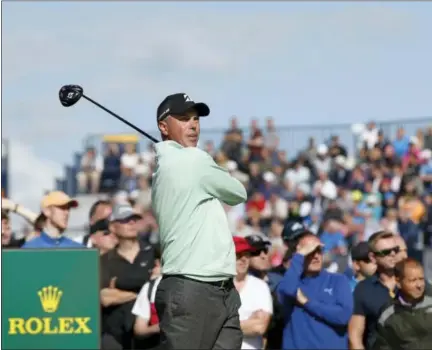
x=70 y=94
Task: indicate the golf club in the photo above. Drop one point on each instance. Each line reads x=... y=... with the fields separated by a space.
x=71 y=94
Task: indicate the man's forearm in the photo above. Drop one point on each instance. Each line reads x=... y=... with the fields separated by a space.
x=355 y=343
x=252 y=327
x=113 y=296
x=27 y=214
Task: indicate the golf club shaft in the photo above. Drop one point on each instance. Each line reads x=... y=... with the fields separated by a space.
x=121 y=119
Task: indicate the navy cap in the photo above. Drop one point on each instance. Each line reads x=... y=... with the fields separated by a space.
x=293 y=230
x=179 y=104
x=360 y=251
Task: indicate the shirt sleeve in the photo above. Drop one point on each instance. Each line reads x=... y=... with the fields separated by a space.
x=141 y=307
x=105 y=274
x=216 y=181
x=359 y=308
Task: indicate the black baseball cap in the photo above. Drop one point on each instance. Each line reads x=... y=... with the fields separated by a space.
x=101 y=225
x=179 y=104
x=258 y=242
x=293 y=230
x=360 y=251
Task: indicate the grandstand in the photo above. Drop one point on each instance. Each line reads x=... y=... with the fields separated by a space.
x=292 y=140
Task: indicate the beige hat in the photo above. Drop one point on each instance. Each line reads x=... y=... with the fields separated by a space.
x=57 y=199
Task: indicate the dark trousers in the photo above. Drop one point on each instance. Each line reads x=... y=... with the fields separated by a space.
x=198 y=315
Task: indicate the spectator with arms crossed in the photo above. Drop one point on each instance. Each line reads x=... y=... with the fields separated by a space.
x=256 y=301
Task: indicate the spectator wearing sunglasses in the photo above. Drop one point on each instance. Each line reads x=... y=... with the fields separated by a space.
x=317 y=304
x=373 y=293
x=260 y=259
x=362 y=265
x=101 y=237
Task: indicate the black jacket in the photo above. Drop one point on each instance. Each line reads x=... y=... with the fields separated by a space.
x=405 y=327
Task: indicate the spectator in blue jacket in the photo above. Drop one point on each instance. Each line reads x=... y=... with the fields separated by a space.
x=55 y=213
x=317 y=304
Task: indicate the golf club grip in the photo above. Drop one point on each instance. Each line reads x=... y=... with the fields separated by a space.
x=121 y=119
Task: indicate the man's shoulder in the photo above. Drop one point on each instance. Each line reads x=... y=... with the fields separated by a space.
x=336 y=277
x=387 y=312
x=33 y=243
x=71 y=243
x=257 y=283
x=170 y=156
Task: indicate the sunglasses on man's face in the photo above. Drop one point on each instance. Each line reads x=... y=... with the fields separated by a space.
x=258 y=252
x=386 y=252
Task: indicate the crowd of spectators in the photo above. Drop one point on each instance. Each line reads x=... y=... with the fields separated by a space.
x=342 y=197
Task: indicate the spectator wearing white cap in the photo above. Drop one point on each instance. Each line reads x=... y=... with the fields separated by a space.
x=297 y=175
x=322 y=162
x=324 y=187
x=370 y=135
x=232 y=168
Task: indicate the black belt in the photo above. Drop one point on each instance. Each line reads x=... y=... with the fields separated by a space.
x=222 y=284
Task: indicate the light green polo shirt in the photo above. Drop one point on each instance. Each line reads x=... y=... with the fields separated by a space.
x=187 y=190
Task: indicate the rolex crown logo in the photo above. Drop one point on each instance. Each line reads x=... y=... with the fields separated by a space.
x=50 y=298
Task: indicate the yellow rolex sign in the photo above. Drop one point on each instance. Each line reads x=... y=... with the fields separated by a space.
x=50 y=299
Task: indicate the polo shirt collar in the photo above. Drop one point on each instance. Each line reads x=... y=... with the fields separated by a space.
x=167 y=143
x=50 y=240
x=375 y=279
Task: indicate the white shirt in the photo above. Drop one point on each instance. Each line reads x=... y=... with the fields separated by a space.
x=298 y=176
x=142 y=304
x=129 y=161
x=370 y=137
x=255 y=295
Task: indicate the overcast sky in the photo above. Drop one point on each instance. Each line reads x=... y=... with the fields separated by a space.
x=302 y=63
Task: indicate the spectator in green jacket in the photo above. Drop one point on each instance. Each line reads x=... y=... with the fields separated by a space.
x=407 y=322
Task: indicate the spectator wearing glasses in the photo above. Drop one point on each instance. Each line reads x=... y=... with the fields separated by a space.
x=362 y=265
x=256 y=302
x=260 y=260
x=407 y=322
x=382 y=286
x=318 y=304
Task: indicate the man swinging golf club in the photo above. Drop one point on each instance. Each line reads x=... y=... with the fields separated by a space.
x=196 y=300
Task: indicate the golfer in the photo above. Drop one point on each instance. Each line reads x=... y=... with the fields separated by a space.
x=196 y=300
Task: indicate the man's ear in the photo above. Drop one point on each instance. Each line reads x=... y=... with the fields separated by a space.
x=46 y=212
x=163 y=127
x=372 y=258
x=398 y=283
